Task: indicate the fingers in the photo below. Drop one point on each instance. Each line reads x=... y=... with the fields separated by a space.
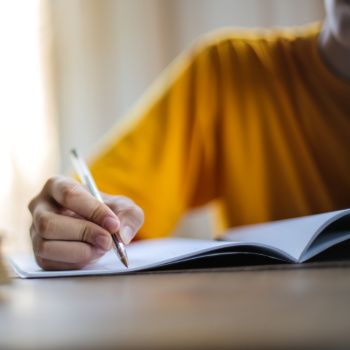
x=63 y=255
x=71 y=195
x=51 y=225
x=130 y=215
x=64 y=251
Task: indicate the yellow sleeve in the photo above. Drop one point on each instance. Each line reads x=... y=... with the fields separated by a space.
x=162 y=154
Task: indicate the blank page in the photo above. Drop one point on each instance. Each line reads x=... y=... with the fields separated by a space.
x=142 y=255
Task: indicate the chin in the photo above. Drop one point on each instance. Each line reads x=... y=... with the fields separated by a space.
x=338 y=17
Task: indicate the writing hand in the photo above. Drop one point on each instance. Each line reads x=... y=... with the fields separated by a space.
x=71 y=228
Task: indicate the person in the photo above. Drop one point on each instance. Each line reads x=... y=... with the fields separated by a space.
x=256 y=124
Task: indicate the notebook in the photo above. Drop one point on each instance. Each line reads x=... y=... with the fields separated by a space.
x=294 y=240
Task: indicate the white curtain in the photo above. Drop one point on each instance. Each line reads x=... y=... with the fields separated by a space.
x=28 y=139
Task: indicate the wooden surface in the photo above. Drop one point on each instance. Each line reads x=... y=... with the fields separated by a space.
x=283 y=307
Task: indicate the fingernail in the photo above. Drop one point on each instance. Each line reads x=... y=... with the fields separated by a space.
x=100 y=251
x=126 y=234
x=104 y=242
x=111 y=224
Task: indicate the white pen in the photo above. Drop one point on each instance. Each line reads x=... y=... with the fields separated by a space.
x=88 y=181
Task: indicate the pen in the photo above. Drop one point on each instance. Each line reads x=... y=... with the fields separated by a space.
x=88 y=181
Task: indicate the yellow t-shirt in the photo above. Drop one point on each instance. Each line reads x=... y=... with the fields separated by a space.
x=253 y=122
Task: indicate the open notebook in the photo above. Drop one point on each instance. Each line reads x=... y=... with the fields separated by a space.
x=293 y=240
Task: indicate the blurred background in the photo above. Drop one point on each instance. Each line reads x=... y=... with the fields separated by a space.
x=71 y=68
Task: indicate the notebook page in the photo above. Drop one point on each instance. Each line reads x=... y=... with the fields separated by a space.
x=291 y=236
x=336 y=232
x=142 y=255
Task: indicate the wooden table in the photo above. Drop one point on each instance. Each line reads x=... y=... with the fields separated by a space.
x=283 y=306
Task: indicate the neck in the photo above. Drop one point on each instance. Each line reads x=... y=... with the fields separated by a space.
x=336 y=55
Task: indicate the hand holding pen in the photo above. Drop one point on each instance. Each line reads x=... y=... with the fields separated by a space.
x=71 y=228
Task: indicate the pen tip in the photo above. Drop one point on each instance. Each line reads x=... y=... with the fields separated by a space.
x=125 y=261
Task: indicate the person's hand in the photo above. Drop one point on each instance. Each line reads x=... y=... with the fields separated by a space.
x=71 y=228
